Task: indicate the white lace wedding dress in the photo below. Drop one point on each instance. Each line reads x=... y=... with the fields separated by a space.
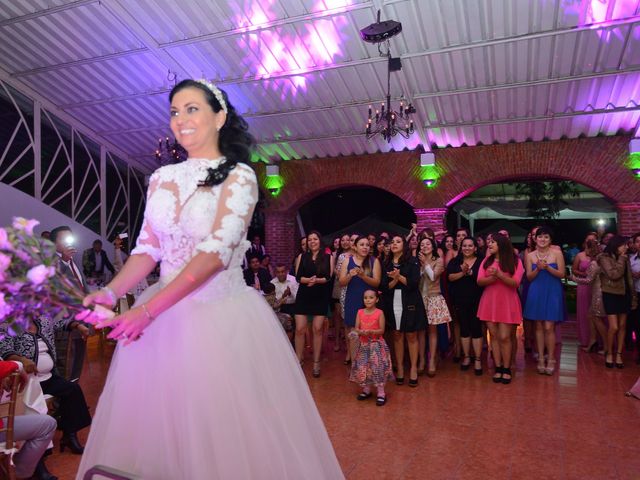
x=213 y=389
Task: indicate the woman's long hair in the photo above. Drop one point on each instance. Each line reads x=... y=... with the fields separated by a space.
x=507 y=256
x=366 y=261
x=614 y=243
x=320 y=260
x=235 y=141
x=404 y=256
x=434 y=247
x=459 y=258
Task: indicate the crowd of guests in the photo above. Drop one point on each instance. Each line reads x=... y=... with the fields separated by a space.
x=412 y=300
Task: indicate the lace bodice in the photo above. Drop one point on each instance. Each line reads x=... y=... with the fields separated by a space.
x=182 y=219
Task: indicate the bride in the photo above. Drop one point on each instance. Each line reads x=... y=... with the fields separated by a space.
x=204 y=383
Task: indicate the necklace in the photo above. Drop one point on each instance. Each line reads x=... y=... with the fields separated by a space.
x=541 y=257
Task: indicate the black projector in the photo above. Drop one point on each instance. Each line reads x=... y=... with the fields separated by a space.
x=380 y=31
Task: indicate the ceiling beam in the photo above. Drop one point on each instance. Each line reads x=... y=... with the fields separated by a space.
x=132 y=24
x=69 y=119
x=417 y=96
x=202 y=38
x=355 y=63
x=46 y=11
x=534 y=118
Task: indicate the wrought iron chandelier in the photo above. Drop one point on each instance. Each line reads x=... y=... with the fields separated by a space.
x=387 y=122
x=169 y=152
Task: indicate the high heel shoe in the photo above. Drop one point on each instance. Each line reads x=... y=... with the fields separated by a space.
x=316 y=370
x=506 y=371
x=497 y=377
x=551 y=367
x=606 y=363
x=619 y=364
x=465 y=366
x=71 y=440
x=541 y=367
x=591 y=348
x=477 y=371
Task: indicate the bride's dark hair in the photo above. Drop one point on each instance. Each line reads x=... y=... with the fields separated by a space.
x=235 y=141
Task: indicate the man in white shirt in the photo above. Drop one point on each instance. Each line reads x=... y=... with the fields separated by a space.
x=286 y=289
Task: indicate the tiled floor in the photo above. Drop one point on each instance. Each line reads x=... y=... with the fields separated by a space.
x=575 y=425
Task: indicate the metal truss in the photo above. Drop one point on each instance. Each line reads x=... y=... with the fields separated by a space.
x=62 y=167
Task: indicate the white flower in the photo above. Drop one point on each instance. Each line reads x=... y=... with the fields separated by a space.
x=240 y=199
x=39 y=274
x=20 y=223
x=5 y=244
x=231 y=231
x=5 y=261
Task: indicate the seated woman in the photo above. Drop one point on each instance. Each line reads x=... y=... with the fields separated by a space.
x=35 y=350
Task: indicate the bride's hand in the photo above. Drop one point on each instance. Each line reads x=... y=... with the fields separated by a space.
x=128 y=326
x=96 y=315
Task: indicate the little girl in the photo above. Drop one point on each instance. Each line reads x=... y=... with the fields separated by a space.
x=372 y=364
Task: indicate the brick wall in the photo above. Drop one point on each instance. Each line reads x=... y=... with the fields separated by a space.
x=597 y=162
x=628 y=218
x=434 y=218
x=281 y=241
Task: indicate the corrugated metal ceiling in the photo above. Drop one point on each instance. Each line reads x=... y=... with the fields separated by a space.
x=477 y=70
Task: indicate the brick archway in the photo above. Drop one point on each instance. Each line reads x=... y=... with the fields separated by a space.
x=397 y=173
x=598 y=163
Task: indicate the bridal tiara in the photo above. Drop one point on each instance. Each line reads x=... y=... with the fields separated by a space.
x=216 y=92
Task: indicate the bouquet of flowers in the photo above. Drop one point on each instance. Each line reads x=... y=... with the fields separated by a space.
x=29 y=286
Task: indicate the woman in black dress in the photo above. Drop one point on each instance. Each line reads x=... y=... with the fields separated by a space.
x=465 y=296
x=403 y=305
x=618 y=295
x=314 y=270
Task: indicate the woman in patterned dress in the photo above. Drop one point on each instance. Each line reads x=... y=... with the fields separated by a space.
x=432 y=268
x=372 y=360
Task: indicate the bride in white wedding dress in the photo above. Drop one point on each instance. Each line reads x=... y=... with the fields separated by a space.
x=204 y=383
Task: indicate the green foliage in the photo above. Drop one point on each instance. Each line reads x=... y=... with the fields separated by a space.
x=546 y=199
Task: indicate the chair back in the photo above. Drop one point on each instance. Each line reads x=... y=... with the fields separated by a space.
x=7 y=414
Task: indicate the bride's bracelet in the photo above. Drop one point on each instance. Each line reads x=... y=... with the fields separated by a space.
x=111 y=294
x=147 y=313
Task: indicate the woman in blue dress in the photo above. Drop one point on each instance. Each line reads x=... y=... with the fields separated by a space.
x=362 y=272
x=545 y=298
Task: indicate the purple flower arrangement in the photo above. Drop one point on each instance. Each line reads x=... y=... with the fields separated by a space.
x=29 y=284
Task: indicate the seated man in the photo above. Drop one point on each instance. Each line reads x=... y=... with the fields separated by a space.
x=284 y=318
x=255 y=275
x=35 y=350
x=286 y=289
x=36 y=431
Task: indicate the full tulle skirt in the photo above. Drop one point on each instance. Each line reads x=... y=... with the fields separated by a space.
x=212 y=390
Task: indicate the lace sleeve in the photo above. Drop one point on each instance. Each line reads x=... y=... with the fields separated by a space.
x=236 y=202
x=147 y=242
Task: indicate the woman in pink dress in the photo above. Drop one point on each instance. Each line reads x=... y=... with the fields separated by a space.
x=586 y=334
x=500 y=307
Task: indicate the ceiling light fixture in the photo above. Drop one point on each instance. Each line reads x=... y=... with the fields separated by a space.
x=387 y=122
